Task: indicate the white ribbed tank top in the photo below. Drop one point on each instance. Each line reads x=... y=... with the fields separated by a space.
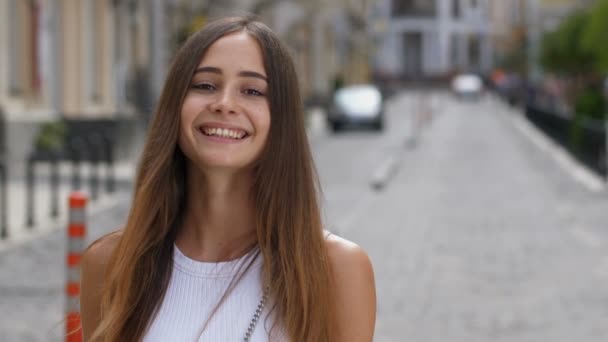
x=194 y=290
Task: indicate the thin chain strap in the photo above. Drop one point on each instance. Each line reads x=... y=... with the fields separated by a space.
x=256 y=316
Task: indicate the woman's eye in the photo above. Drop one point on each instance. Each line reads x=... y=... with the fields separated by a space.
x=203 y=86
x=253 y=92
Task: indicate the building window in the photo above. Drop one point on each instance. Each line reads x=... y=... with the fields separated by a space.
x=35 y=53
x=474 y=47
x=91 y=43
x=456 y=8
x=23 y=45
x=412 y=54
x=15 y=50
x=414 y=8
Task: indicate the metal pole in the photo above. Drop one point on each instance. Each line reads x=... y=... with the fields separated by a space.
x=29 y=194
x=109 y=154
x=54 y=184
x=76 y=244
x=76 y=156
x=3 y=197
x=533 y=40
x=94 y=151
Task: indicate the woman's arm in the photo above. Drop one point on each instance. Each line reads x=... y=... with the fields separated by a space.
x=355 y=290
x=93 y=266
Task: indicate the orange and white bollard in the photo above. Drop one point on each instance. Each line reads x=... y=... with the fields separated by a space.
x=76 y=245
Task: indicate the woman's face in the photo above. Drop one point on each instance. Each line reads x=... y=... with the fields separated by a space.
x=225 y=117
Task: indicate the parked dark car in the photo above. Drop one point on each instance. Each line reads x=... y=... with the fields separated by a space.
x=356 y=105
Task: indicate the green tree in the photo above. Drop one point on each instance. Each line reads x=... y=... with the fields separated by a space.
x=51 y=136
x=595 y=37
x=578 y=49
x=562 y=50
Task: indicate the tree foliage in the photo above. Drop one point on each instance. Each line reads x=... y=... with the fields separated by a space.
x=51 y=136
x=579 y=44
x=563 y=51
x=595 y=37
x=578 y=49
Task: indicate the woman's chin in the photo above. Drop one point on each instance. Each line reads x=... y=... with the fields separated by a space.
x=227 y=166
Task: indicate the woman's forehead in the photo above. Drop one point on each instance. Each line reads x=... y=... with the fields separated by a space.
x=237 y=50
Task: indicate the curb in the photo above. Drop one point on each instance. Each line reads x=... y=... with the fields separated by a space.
x=104 y=203
x=575 y=169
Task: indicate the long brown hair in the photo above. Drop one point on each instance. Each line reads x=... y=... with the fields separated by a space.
x=288 y=219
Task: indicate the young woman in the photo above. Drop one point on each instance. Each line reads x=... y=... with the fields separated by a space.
x=224 y=241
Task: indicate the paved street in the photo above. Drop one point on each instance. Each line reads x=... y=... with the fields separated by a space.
x=477 y=234
x=32 y=279
x=478 y=237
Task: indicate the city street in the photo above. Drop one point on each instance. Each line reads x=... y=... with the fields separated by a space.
x=475 y=233
x=478 y=237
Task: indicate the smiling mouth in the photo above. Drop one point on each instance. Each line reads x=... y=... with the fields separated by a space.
x=226 y=133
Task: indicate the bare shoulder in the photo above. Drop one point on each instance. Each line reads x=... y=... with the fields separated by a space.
x=93 y=267
x=97 y=255
x=355 y=289
x=346 y=254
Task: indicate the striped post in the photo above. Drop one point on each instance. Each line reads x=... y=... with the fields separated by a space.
x=76 y=245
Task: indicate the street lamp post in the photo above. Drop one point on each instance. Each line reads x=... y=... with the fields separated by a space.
x=533 y=39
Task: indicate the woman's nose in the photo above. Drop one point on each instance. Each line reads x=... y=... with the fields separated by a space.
x=224 y=103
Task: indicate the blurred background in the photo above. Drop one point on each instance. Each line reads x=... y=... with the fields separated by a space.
x=462 y=143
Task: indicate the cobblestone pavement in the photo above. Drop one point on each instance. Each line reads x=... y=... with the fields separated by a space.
x=32 y=279
x=477 y=236
x=480 y=237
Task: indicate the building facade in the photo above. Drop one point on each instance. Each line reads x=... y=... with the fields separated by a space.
x=330 y=42
x=106 y=60
x=69 y=59
x=433 y=38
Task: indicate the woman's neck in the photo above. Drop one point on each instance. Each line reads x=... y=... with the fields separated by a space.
x=219 y=223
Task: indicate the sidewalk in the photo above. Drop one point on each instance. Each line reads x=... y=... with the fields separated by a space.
x=17 y=230
x=33 y=274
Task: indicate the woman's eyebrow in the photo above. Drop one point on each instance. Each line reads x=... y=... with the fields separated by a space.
x=244 y=73
x=213 y=70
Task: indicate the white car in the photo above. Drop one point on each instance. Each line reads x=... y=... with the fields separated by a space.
x=467 y=85
x=357 y=104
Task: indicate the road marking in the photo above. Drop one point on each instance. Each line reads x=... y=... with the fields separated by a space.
x=383 y=173
x=578 y=172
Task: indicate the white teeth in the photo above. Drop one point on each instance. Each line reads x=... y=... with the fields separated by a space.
x=224 y=133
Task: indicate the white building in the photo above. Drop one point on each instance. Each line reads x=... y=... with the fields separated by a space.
x=432 y=38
